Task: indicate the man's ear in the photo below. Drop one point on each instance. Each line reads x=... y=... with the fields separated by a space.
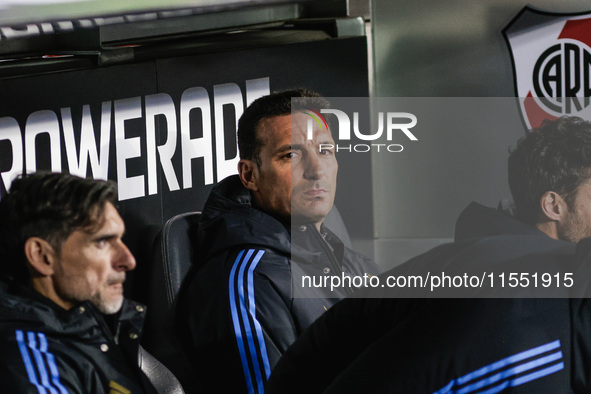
x=553 y=206
x=248 y=171
x=40 y=255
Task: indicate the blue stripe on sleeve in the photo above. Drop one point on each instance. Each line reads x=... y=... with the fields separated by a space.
x=509 y=360
x=20 y=339
x=538 y=374
x=524 y=379
x=252 y=310
x=511 y=372
x=246 y=321
x=506 y=376
x=40 y=362
x=247 y=329
x=236 y=323
x=55 y=375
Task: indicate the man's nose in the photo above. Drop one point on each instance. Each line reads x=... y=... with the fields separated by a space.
x=124 y=260
x=313 y=167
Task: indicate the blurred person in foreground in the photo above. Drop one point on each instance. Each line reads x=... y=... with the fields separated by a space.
x=511 y=339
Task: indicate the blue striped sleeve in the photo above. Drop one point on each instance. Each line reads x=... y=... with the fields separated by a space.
x=41 y=368
x=511 y=371
x=247 y=329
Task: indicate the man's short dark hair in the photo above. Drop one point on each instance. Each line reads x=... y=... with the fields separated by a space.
x=50 y=206
x=275 y=104
x=554 y=157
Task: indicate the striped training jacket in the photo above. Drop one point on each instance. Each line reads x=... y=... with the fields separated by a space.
x=236 y=315
x=47 y=349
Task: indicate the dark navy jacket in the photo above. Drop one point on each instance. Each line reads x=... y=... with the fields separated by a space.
x=463 y=345
x=47 y=349
x=236 y=314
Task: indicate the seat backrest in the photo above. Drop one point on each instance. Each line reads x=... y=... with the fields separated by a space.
x=172 y=257
x=175 y=250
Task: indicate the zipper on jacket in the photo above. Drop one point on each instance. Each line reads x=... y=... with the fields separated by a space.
x=98 y=317
x=330 y=251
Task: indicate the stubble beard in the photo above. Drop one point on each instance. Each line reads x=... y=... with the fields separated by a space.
x=574 y=229
x=111 y=305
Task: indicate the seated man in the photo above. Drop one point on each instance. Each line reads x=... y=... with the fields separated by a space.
x=473 y=344
x=65 y=325
x=236 y=312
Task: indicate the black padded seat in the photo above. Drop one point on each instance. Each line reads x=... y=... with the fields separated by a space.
x=172 y=257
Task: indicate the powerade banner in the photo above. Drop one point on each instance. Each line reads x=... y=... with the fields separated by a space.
x=165 y=130
x=551 y=56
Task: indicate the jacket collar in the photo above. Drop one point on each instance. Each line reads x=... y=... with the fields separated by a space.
x=18 y=302
x=229 y=211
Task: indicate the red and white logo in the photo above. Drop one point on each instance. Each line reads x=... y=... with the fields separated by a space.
x=551 y=56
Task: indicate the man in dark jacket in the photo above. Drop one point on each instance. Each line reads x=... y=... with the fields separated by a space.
x=476 y=344
x=236 y=311
x=65 y=326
